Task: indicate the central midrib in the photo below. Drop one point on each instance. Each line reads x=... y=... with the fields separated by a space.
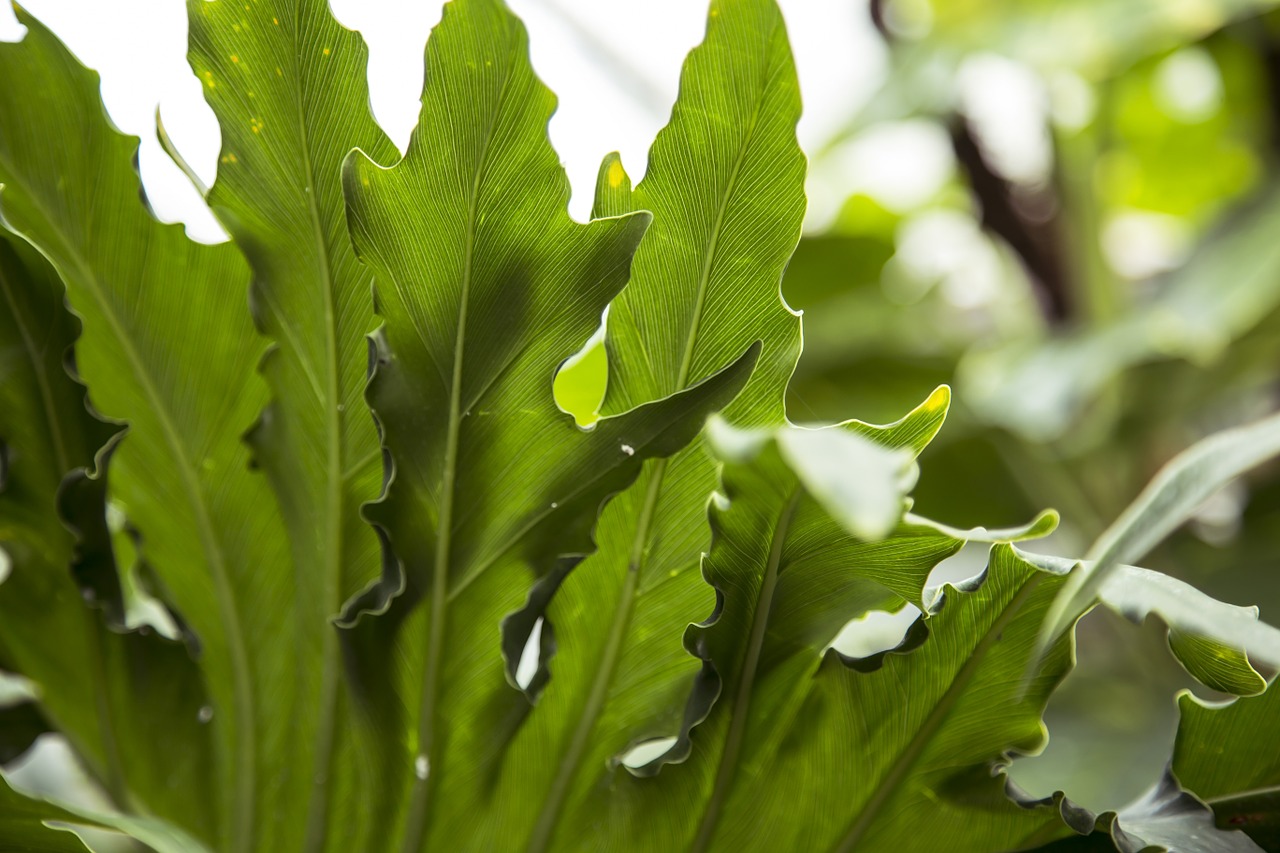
x=553 y=806
x=898 y=772
x=727 y=769
x=420 y=796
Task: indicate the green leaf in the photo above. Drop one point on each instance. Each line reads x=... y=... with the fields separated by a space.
x=895 y=751
x=725 y=186
x=1168 y=500
x=34 y=824
x=1213 y=640
x=1039 y=388
x=1227 y=755
x=168 y=348
x=869 y=507
x=127 y=702
x=486 y=287
x=1215 y=664
x=287 y=83
x=24 y=825
x=1166 y=820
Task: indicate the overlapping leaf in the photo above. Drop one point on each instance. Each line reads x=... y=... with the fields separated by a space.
x=725 y=185
x=807 y=750
x=1230 y=757
x=287 y=83
x=168 y=348
x=127 y=702
x=486 y=286
x=1167 y=502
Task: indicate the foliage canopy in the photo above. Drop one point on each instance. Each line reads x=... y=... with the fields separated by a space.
x=332 y=569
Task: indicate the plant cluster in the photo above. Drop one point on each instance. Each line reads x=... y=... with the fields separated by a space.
x=332 y=570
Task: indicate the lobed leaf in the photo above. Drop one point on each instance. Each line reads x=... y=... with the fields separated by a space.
x=860 y=768
x=1227 y=755
x=486 y=287
x=287 y=83
x=725 y=187
x=128 y=702
x=1166 y=503
x=168 y=348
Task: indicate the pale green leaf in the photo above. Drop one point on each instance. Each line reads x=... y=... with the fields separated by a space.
x=1166 y=503
x=1228 y=756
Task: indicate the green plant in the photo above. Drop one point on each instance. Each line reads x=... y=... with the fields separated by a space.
x=317 y=676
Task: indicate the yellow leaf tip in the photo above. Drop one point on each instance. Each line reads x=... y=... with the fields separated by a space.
x=616 y=174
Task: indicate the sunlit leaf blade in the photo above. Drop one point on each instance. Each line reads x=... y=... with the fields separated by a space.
x=168 y=348
x=1228 y=756
x=486 y=286
x=1166 y=503
x=1215 y=664
x=287 y=83
x=725 y=185
x=127 y=702
x=863 y=766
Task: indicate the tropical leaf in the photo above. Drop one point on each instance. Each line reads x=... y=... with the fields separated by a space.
x=1166 y=503
x=861 y=768
x=287 y=83
x=1166 y=820
x=128 y=702
x=725 y=186
x=40 y=826
x=1227 y=755
x=168 y=348
x=1213 y=640
x=485 y=286
x=24 y=825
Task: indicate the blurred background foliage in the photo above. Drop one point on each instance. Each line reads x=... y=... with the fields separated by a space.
x=1095 y=269
x=1068 y=210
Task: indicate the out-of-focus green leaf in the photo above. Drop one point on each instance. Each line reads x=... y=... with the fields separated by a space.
x=486 y=286
x=168 y=348
x=287 y=83
x=1039 y=388
x=1213 y=640
x=34 y=825
x=1227 y=755
x=128 y=702
x=1166 y=820
x=1093 y=37
x=1164 y=505
x=24 y=827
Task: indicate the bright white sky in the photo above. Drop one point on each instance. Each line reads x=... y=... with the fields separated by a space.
x=614 y=64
